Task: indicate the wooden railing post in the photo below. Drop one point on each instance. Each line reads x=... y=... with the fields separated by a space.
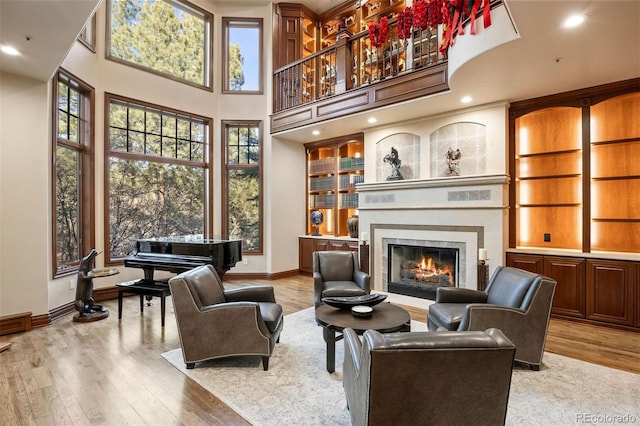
x=343 y=65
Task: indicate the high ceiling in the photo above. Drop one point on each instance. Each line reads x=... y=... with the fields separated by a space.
x=545 y=59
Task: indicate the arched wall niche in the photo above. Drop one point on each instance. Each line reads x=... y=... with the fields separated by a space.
x=408 y=146
x=469 y=137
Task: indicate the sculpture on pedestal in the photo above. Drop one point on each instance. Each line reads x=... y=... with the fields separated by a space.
x=395 y=162
x=87 y=309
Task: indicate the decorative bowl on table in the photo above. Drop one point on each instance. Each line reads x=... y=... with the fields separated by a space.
x=361 y=311
x=351 y=301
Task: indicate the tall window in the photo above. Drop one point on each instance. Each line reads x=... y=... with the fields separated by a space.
x=167 y=37
x=242 y=72
x=242 y=180
x=73 y=173
x=157 y=174
x=88 y=34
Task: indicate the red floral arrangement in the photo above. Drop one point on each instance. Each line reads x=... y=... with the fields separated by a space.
x=378 y=32
x=420 y=15
x=405 y=22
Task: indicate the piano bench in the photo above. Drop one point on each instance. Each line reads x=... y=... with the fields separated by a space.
x=144 y=288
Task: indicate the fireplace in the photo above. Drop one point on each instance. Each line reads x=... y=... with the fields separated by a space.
x=417 y=270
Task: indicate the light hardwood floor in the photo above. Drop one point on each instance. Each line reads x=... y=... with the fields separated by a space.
x=111 y=372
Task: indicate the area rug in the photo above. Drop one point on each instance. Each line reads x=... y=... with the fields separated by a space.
x=297 y=390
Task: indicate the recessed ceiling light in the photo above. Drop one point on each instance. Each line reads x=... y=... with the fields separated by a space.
x=372 y=120
x=466 y=99
x=315 y=132
x=10 y=50
x=573 y=21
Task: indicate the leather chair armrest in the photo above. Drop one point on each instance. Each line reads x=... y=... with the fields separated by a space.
x=363 y=280
x=352 y=347
x=317 y=288
x=253 y=293
x=483 y=316
x=460 y=295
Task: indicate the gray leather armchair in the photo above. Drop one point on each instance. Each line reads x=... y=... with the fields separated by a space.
x=214 y=322
x=338 y=274
x=425 y=378
x=517 y=302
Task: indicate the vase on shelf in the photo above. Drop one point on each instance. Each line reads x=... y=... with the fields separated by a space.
x=352 y=226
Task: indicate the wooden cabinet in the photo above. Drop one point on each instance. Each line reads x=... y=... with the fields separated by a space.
x=601 y=291
x=576 y=171
x=334 y=167
x=307 y=245
x=528 y=262
x=294 y=33
x=610 y=291
x=569 y=298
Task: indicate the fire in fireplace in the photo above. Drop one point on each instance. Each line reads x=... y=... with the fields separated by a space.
x=418 y=271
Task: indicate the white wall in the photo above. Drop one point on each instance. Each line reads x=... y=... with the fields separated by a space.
x=24 y=195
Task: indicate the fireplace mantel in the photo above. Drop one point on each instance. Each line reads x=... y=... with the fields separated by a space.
x=468 y=210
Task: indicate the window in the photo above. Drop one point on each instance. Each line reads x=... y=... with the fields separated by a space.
x=242 y=180
x=157 y=174
x=73 y=173
x=88 y=34
x=242 y=59
x=166 y=37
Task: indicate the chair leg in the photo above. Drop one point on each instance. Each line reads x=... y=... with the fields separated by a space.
x=535 y=367
x=265 y=363
x=190 y=365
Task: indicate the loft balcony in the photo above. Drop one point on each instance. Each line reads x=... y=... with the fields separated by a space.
x=352 y=75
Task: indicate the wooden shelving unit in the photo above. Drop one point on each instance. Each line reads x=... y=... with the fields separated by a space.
x=549 y=178
x=334 y=167
x=615 y=174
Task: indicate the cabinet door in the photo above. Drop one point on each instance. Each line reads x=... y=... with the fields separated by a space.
x=305 y=256
x=569 y=298
x=528 y=262
x=610 y=291
x=321 y=245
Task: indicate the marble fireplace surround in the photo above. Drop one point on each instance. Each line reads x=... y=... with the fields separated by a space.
x=465 y=212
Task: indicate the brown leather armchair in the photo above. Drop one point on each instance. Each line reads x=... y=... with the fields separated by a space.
x=517 y=302
x=338 y=274
x=215 y=322
x=426 y=378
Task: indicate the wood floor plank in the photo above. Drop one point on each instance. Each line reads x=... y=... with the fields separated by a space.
x=111 y=372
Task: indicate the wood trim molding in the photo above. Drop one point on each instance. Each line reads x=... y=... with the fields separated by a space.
x=15 y=323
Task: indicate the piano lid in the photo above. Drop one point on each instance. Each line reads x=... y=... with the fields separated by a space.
x=189 y=245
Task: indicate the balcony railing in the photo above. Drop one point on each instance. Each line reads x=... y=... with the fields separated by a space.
x=353 y=63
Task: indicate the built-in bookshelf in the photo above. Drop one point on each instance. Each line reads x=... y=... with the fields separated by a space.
x=576 y=170
x=334 y=168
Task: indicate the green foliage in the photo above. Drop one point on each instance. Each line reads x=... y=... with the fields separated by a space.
x=157 y=35
x=243 y=191
x=149 y=199
x=67 y=206
x=236 y=64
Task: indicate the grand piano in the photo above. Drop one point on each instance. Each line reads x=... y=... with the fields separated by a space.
x=179 y=254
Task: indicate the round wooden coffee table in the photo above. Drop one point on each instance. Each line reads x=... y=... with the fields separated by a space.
x=386 y=318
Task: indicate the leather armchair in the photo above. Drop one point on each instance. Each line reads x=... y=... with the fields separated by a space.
x=425 y=378
x=215 y=322
x=517 y=302
x=338 y=274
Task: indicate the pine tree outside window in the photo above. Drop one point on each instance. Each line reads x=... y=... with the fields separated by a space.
x=242 y=55
x=73 y=218
x=242 y=184
x=166 y=37
x=157 y=173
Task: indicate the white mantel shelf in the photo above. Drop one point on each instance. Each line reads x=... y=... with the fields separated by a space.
x=439 y=182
